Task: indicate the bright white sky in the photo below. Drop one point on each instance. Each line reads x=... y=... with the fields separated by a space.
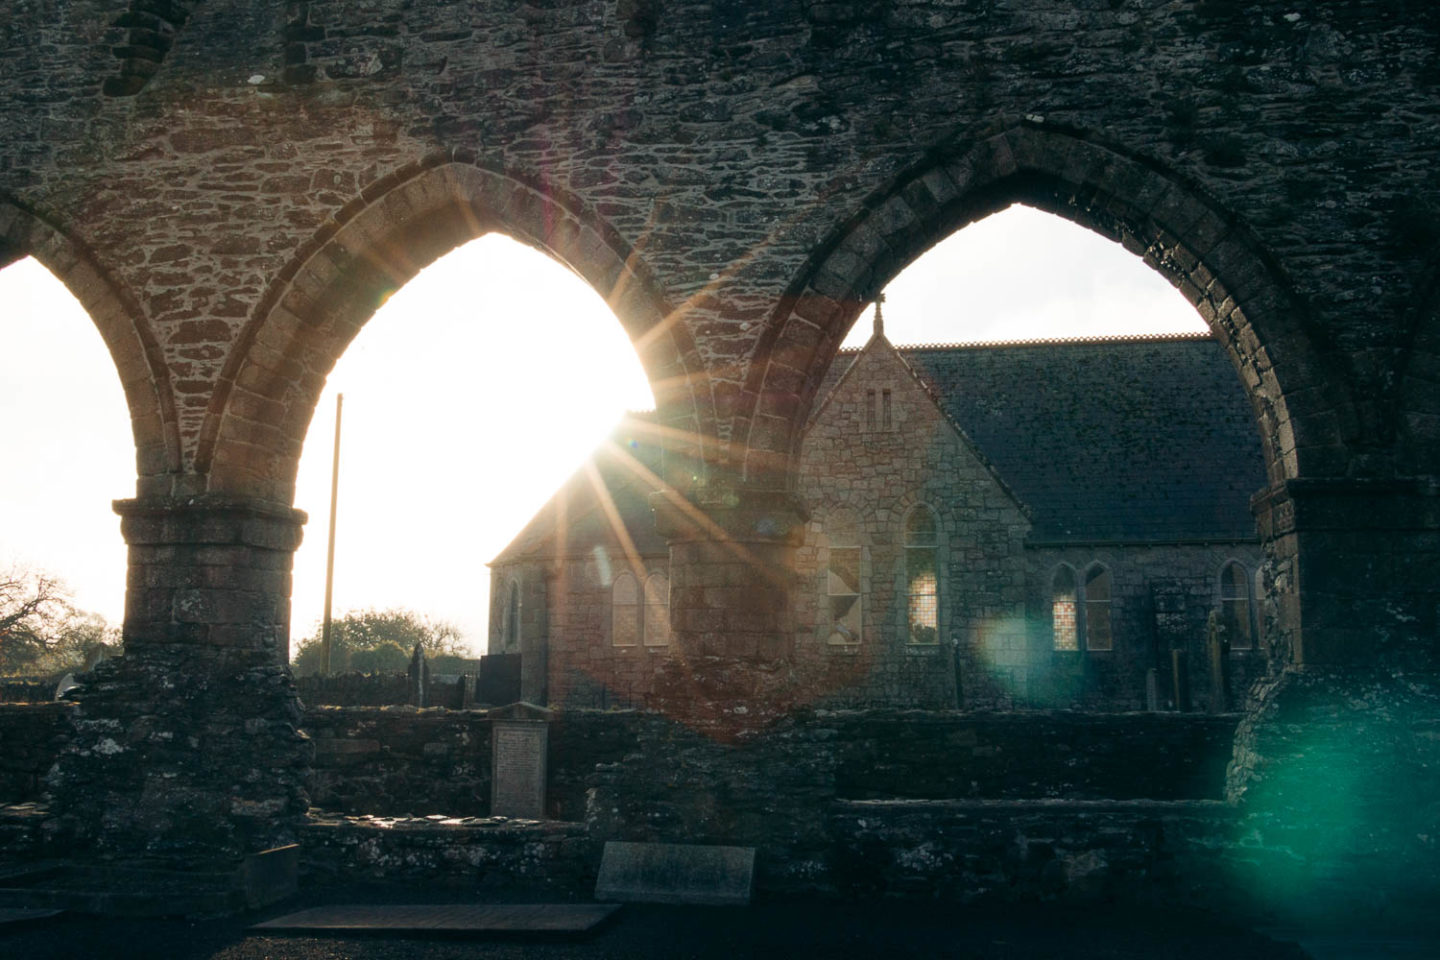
x=453 y=433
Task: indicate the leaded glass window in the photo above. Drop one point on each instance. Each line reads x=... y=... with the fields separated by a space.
x=1062 y=610
x=922 y=577
x=625 y=611
x=1097 y=609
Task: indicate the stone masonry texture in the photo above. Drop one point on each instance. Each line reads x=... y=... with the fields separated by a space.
x=230 y=189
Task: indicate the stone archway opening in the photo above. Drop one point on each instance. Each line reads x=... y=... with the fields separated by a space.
x=1203 y=251
x=249 y=441
x=441 y=396
x=1025 y=274
x=71 y=451
x=1096 y=396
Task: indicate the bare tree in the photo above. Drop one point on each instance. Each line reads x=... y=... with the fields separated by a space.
x=40 y=629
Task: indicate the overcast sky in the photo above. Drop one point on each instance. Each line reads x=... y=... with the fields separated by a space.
x=453 y=433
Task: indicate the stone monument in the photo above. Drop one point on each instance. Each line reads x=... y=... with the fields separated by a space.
x=519 y=747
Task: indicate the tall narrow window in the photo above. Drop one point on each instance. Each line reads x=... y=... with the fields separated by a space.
x=871 y=411
x=885 y=420
x=1097 y=609
x=1062 y=610
x=511 y=632
x=922 y=574
x=657 y=610
x=842 y=585
x=625 y=611
x=1235 y=606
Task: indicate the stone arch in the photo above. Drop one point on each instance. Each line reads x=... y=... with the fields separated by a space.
x=1200 y=248
x=254 y=429
x=117 y=316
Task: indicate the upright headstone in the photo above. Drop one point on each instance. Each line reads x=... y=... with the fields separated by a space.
x=1216 y=648
x=1180 y=671
x=519 y=748
x=419 y=675
x=1152 y=690
x=66 y=684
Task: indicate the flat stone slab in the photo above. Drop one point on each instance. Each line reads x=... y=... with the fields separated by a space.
x=712 y=876
x=129 y=890
x=23 y=915
x=507 y=918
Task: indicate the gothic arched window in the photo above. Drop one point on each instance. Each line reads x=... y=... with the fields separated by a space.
x=624 y=611
x=922 y=576
x=657 y=610
x=842 y=581
x=1235 y=605
x=1063 y=622
x=1097 y=608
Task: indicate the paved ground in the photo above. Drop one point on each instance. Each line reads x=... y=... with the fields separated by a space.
x=798 y=929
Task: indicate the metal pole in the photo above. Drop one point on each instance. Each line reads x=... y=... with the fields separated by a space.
x=330 y=552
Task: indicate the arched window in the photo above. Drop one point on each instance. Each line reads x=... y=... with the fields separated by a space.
x=1062 y=609
x=510 y=634
x=657 y=610
x=1097 y=608
x=922 y=576
x=842 y=582
x=625 y=611
x=1235 y=605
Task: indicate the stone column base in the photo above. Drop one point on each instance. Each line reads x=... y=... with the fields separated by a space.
x=188 y=748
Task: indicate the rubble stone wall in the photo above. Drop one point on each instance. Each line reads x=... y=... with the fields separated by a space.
x=31 y=737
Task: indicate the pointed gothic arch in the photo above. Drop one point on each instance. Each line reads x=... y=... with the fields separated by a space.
x=261 y=408
x=1302 y=412
x=120 y=321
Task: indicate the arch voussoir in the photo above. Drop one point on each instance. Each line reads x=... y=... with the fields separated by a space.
x=399 y=224
x=1178 y=231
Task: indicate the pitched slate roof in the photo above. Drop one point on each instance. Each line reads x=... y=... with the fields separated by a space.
x=1144 y=438
x=1141 y=438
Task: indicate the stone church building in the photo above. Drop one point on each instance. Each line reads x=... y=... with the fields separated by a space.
x=989 y=526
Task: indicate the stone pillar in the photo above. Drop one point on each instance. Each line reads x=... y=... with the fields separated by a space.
x=1355 y=565
x=1337 y=763
x=731 y=572
x=188 y=747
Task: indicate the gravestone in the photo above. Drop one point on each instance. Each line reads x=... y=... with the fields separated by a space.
x=499 y=680
x=711 y=876
x=519 y=746
x=1180 y=673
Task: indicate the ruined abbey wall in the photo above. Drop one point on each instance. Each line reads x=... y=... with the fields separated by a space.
x=231 y=188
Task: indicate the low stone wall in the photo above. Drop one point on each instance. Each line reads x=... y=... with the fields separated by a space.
x=28 y=690
x=473 y=853
x=31 y=737
x=355 y=690
x=396 y=761
x=1124 y=756
x=859 y=804
x=1008 y=850
x=400 y=761
x=404 y=761
x=22 y=834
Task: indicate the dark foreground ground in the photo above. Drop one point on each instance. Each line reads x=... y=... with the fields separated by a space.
x=788 y=929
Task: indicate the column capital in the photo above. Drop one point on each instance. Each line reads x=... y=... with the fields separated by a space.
x=210 y=520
